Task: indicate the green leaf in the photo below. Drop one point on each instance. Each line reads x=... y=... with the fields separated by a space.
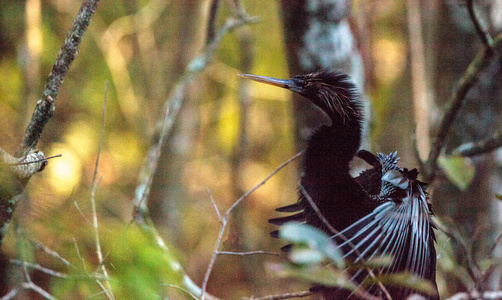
x=317 y=274
x=403 y=279
x=459 y=170
x=314 y=238
x=307 y=256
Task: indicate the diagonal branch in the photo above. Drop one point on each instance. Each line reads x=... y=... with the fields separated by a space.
x=44 y=110
x=485 y=36
x=46 y=105
x=456 y=101
x=172 y=108
x=226 y=218
x=480 y=147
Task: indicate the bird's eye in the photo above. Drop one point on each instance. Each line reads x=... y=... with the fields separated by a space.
x=299 y=82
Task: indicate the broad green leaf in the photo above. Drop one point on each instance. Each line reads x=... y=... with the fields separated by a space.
x=314 y=238
x=459 y=170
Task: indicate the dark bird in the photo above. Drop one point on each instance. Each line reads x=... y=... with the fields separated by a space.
x=382 y=212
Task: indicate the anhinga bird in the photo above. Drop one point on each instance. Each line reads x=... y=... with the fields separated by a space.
x=382 y=212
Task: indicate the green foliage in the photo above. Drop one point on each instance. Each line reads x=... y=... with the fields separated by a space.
x=137 y=266
x=140 y=266
x=404 y=279
x=318 y=242
x=459 y=170
x=317 y=274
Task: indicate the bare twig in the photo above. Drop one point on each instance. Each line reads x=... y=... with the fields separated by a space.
x=489 y=295
x=358 y=291
x=81 y=212
x=38 y=290
x=10 y=295
x=181 y=289
x=214 y=204
x=36 y=161
x=480 y=147
x=226 y=217
x=79 y=255
x=247 y=253
x=29 y=285
x=164 y=127
x=213 y=18
x=285 y=296
x=484 y=35
x=40 y=268
x=172 y=108
x=472 y=267
x=99 y=253
x=456 y=101
x=51 y=253
x=317 y=211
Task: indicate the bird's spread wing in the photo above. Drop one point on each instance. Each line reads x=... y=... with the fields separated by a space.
x=400 y=229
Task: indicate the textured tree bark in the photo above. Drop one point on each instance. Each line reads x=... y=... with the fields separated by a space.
x=319 y=36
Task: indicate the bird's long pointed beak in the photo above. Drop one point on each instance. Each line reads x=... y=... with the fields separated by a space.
x=283 y=83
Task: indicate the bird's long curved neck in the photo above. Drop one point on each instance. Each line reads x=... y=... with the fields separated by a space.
x=332 y=148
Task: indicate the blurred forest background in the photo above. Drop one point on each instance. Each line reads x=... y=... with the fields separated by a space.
x=407 y=56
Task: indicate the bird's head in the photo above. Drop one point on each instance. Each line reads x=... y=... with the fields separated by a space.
x=333 y=92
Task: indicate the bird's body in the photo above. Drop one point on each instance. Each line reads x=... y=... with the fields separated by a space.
x=383 y=211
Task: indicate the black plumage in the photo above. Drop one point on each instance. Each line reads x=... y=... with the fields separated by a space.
x=383 y=211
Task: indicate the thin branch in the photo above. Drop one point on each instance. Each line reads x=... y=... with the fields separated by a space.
x=226 y=217
x=484 y=35
x=46 y=105
x=317 y=211
x=456 y=101
x=36 y=161
x=99 y=253
x=285 y=296
x=81 y=212
x=43 y=112
x=214 y=204
x=51 y=253
x=80 y=256
x=40 y=268
x=358 y=291
x=29 y=285
x=490 y=295
x=172 y=108
x=181 y=289
x=247 y=253
x=213 y=18
x=480 y=147
x=38 y=290
x=472 y=267
x=10 y=295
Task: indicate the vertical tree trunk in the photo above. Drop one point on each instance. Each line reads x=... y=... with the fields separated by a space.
x=318 y=36
x=167 y=191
